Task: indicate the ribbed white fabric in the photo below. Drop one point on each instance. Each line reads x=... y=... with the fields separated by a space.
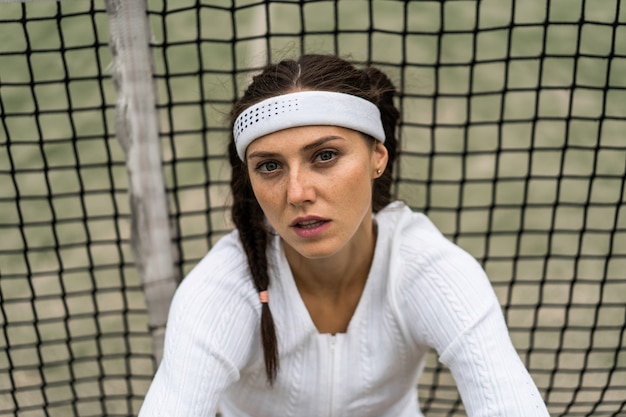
x=422 y=292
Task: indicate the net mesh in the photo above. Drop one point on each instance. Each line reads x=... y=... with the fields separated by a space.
x=512 y=141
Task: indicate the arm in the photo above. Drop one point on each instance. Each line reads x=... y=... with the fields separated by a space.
x=489 y=374
x=449 y=304
x=211 y=325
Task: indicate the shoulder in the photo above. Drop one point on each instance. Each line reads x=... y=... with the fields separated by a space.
x=415 y=238
x=417 y=243
x=402 y=221
x=226 y=259
x=221 y=280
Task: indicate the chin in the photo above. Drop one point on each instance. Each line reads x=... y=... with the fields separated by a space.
x=316 y=251
x=316 y=255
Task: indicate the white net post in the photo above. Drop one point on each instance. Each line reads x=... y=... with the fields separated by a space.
x=137 y=130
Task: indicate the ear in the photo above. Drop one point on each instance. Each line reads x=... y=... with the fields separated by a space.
x=380 y=156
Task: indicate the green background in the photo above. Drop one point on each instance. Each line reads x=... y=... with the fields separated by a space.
x=512 y=141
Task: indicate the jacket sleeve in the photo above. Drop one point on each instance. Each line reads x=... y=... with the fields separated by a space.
x=489 y=374
x=448 y=303
x=210 y=328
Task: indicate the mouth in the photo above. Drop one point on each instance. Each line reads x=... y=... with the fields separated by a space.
x=310 y=226
x=309 y=222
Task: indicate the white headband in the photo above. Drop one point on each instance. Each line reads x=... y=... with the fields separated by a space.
x=306 y=108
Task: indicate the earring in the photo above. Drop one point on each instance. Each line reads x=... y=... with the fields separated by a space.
x=378 y=171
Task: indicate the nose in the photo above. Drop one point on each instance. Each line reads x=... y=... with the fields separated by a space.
x=300 y=189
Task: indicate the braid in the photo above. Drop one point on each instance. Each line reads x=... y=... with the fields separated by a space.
x=249 y=220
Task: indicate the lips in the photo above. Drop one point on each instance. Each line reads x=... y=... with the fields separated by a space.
x=308 y=222
x=310 y=226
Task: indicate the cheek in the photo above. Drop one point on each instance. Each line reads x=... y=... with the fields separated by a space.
x=261 y=194
x=359 y=178
x=355 y=189
x=266 y=195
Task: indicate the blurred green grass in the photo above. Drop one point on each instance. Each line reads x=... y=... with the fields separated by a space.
x=511 y=176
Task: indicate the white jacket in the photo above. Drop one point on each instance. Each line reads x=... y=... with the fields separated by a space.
x=422 y=292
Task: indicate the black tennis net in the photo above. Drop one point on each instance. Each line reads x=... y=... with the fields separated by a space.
x=512 y=141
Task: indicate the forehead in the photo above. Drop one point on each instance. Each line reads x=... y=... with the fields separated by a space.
x=299 y=138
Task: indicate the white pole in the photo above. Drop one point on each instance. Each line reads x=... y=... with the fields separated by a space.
x=137 y=130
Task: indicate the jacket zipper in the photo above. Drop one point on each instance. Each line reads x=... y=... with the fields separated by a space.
x=331 y=378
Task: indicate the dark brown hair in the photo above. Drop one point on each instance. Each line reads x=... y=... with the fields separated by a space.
x=309 y=72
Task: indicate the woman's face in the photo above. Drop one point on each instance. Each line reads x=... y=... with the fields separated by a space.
x=314 y=184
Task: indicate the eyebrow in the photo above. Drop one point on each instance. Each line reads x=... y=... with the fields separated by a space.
x=315 y=144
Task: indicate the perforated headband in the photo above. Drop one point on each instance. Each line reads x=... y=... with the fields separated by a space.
x=306 y=108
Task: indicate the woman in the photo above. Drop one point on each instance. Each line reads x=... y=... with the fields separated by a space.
x=328 y=296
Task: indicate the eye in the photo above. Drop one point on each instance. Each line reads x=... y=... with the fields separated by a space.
x=325 y=156
x=267 y=167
